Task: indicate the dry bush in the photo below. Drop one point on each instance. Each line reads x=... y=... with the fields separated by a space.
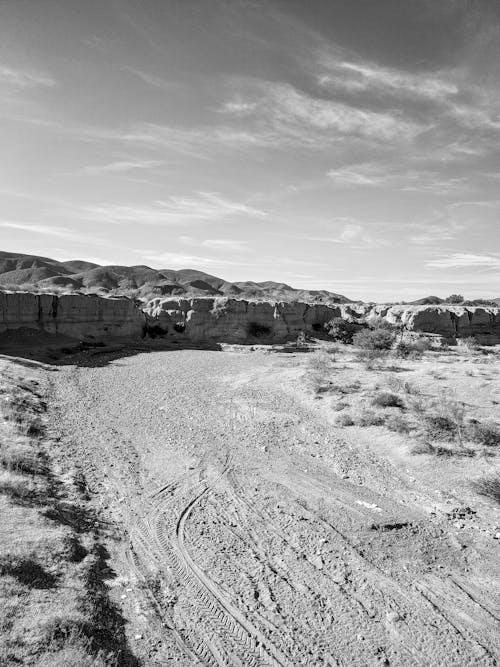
x=470 y=342
x=345 y=388
x=397 y=385
x=386 y=399
x=412 y=349
x=374 y=339
x=441 y=418
x=21 y=456
x=344 y=419
x=487 y=434
x=489 y=487
x=372 y=359
x=398 y=424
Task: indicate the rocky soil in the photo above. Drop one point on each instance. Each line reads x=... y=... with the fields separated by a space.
x=258 y=533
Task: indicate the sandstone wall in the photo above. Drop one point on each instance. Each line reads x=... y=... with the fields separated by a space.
x=234 y=320
x=89 y=317
x=85 y=317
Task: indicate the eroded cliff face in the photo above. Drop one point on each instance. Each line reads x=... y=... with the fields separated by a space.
x=89 y=317
x=233 y=320
x=448 y=321
x=85 y=317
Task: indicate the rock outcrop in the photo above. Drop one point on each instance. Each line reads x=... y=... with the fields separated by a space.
x=235 y=320
x=451 y=322
x=94 y=318
x=85 y=317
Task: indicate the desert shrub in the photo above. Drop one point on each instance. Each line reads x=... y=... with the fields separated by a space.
x=489 y=487
x=411 y=349
x=320 y=361
x=367 y=417
x=398 y=424
x=439 y=427
x=374 y=339
x=386 y=399
x=341 y=330
x=380 y=323
x=440 y=419
x=487 y=434
x=345 y=388
x=257 y=330
x=470 y=342
x=396 y=384
x=344 y=419
x=372 y=358
x=22 y=459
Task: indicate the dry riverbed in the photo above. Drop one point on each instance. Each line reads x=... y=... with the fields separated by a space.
x=251 y=526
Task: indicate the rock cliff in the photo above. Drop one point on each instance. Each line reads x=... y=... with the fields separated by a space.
x=85 y=317
x=89 y=317
x=234 y=320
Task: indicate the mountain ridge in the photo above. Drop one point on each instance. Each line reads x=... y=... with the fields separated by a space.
x=141 y=281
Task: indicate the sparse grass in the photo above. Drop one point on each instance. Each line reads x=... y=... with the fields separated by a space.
x=398 y=424
x=359 y=416
x=488 y=487
x=372 y=359
x=52 y=564
x=398 y=385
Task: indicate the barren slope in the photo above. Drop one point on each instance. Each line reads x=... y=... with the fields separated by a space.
x=258 y=535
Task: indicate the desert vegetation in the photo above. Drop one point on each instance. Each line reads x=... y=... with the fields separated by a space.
x=54 y=604
x=391 y=390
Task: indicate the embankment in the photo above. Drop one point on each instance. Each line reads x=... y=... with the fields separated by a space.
x=233 y=320
x=94 y=318
x=84 y=317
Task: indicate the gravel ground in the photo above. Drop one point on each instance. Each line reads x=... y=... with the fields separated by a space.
x=255 y=533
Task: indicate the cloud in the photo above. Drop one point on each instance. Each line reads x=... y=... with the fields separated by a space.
x=465 y=260
x=398 y=177
x=49 y=230
x=215 y=244
x=237 y=107
x=289 y=108
x=151 y=79
x=349 y=232
x=203 y=207
x=20 y=78
x=122 y=166
x=363 y=75
x=364 y=174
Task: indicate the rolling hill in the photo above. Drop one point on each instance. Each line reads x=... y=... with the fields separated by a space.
x=46 y=274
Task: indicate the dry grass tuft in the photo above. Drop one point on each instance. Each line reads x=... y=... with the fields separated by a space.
x=488 y=487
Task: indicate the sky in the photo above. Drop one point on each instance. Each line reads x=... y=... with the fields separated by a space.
x=348 y=145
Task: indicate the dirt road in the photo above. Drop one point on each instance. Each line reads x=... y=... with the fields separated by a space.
x=256 y=534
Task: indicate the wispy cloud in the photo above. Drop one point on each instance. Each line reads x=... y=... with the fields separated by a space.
x=364 y=174
x=465 y=260
x=23 y=78
x=365 y=75
x=122 y=166
x=295 y=113
x=398 y=177
x=349 y=232
x=151 y=79
x=203 y=207
x=227 y=245
x=49 y=230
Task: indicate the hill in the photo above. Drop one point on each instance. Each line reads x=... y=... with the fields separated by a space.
x=30 y=272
